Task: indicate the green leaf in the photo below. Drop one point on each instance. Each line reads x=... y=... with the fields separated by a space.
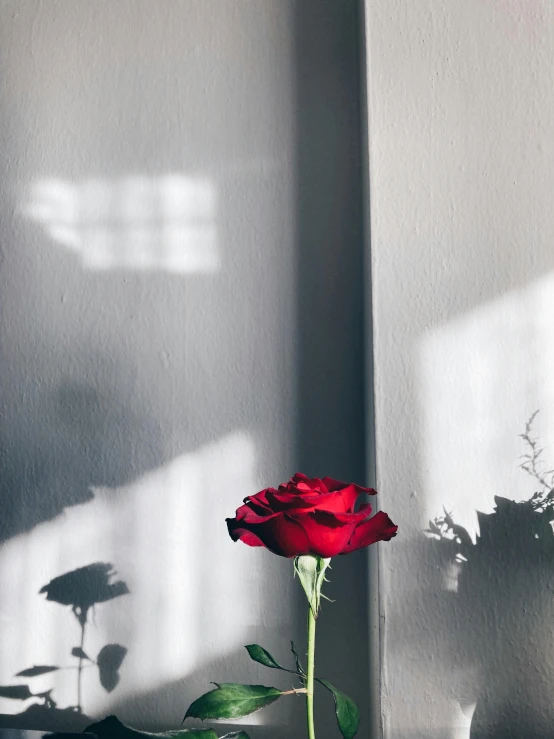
x=310 y=569
x=235 y=735
x=231 y=700
x=261 y=655
x=348 y=717
x=112 y=728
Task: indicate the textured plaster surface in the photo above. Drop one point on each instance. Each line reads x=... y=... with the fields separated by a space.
x=462 y=226
x=180 y=245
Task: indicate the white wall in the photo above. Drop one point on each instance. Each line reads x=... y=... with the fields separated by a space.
x=462 y=226
x=181 y=243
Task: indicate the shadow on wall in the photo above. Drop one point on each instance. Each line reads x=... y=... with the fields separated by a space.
x=82 y=437
x=272 y=723
x=150 y=309
x=82 y=590
x=141 y=709
x=496 y=609
x=332 y=333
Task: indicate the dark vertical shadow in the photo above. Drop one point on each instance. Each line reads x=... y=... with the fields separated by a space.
x=373 y=604
x=330 y=303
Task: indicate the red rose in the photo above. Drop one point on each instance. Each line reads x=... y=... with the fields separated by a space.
x=309 y=516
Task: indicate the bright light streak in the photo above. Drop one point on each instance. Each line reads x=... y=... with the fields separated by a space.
x=165 y=534
x=481 y=377
x=139 y=223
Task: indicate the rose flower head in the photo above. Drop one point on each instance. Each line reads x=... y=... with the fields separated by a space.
x=310 y=516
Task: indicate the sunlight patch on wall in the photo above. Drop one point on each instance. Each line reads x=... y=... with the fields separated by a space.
x=136 y=222
x=166 y=537
x=481 y=376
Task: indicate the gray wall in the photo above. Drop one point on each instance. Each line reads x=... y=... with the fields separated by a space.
x=181 y=325
x=461 y=155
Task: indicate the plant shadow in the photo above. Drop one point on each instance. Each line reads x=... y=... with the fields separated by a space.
x=82 y=590
x=500 y=600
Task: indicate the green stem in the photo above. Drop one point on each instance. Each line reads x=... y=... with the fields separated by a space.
x=310 y=674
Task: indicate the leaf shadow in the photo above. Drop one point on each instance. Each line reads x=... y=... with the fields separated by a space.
x=81 y=589
x=501 y=603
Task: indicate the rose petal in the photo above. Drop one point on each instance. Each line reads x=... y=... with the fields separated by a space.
x=285 y=536
x=349 y=496
x=245 y=514
x=255 y=504
x=333 y=502
x=378 y=528
x=282 y=501
x=301 y=483
x=236 y=532
x=342 y=518
x=257 y=507
x=332 y=485
x=327 y=534
x=279 y=533
x=260 y=498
